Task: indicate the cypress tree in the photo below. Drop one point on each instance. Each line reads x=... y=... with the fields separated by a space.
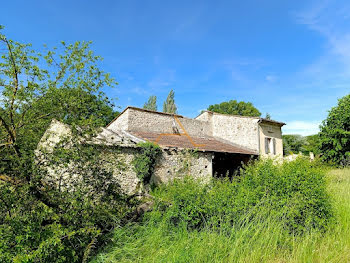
x=151 y=104
x=169 y=105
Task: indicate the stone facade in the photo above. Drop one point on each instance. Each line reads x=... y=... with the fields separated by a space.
x=250 y=132
x=117 y=155
x=171 y=164
x=175 y=164
x=133 y=119
x=227 y=137
x=239 y=130
x=273 y=132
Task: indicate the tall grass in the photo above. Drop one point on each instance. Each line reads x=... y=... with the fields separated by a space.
x=262 y=238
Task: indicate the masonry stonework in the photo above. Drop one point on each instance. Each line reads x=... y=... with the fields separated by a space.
x=164 y=123
x=240 y=130
x=224 y=137
x=171 y=164
x=118 y=162
x=274 y=132
x=177 y=164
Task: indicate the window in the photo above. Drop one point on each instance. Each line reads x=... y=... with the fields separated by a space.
x=270 y=145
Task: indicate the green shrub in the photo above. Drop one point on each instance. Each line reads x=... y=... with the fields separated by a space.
x=71 y=222
x=293 y=193
x=145 y=160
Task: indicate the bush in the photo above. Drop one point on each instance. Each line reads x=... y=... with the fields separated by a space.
x=293 y=193
x=72 y=221
x=145 y=161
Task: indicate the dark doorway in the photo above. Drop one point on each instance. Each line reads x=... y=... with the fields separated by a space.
x=228 y=164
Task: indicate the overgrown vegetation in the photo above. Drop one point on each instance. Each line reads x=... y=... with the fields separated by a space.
x=294 y=144
x=293 y=192
x=41 y=220
x=45 y=218
x=335 y=134
x=82 y=206
x=258 y=217
x=144 y=162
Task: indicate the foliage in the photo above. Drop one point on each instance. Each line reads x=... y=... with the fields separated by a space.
x=169 y=105
x=235 y=108
x=151 y=104
x=268 y=116
x=64 y=84
x=293 y=143
x=312 y=144
x=259 y=239
x=85 y=202
x=335 y=134
x=293 y=192
x=144 y=162
x=40 y=222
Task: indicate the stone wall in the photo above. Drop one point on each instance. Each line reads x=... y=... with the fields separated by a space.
x=120 y=123
x=140 y=120
x=117 y=159
x=171 y=164
x=274 y=132
x=178 y=163
x=239 y=130
x=119 y=162
x=205 y=116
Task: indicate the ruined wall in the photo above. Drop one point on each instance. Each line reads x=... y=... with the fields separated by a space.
x=163 y=123
x=119 y=163
x=274 y=132
x=240 y=130
x=171 y=164
x=176 y=164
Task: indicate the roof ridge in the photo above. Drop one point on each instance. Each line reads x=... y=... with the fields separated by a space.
x=145 y=110
x=241 y=116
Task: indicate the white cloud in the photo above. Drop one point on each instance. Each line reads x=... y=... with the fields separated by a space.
x=302 y=127
x=271 y=78
x=331 y=20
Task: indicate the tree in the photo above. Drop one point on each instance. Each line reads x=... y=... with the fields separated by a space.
x=312 y=142
x=268 y=116
x=151 y=104
x=63 y=83
x=169 y=105
x=335 y=134
x=293 y=143
x=39 y=222
x=235 y=108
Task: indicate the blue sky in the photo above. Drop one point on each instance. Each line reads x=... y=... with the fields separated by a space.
x=289 y=58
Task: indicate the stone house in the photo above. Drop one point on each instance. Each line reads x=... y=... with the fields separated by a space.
x=211 y=144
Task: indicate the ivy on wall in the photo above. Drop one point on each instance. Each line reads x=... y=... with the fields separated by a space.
x=144 y=162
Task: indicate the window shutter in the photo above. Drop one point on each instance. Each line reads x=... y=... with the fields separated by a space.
x=274 y=146
x=266 y=145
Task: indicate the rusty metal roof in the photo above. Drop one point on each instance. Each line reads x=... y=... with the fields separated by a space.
x=183 y=141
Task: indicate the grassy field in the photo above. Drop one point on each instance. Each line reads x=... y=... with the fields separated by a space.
x=263 y=242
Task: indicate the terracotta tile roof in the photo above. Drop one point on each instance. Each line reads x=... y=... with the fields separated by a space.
x=210 y=144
